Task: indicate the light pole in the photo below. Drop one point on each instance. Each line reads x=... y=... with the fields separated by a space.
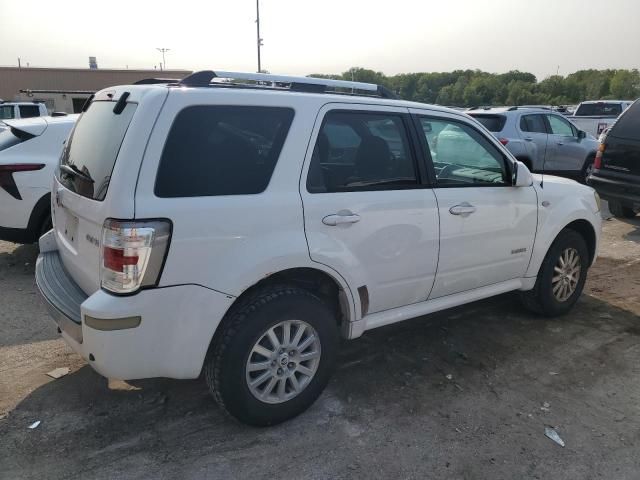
x=163 y=51
x=259 y=40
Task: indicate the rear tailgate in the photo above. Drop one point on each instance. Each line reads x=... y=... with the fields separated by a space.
x=98 y=172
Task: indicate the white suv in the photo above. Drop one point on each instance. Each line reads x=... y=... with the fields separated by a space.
x=238 y=229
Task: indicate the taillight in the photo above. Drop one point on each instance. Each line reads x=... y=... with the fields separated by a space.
x=6 y=176
x=503 y=141
x=597 y=163
x=133 y=253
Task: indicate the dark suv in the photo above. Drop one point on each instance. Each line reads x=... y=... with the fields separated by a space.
x=616 y=170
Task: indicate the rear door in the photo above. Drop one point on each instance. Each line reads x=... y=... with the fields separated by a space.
x=533 y=130
x=368 y=212
x=487 y=226
x=98 y=151
x=565 y=152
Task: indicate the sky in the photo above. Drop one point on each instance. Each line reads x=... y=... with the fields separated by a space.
x=328 y=36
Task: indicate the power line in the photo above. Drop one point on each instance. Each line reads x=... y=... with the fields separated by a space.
x=163 y=65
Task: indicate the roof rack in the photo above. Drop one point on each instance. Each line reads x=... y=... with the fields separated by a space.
x=208 y=78
x=153 y=81
x=528 y=107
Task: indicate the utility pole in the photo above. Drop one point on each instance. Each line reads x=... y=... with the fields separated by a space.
x=19 y=66
x=163 y=65
x=259 y=40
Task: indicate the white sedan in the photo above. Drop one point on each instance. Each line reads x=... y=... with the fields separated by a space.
x=29 y=153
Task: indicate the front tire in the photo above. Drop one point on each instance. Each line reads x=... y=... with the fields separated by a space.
x=273 y=356
x=620 y=211
x=561 y=277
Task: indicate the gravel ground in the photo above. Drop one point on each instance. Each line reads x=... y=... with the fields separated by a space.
x=463 y=394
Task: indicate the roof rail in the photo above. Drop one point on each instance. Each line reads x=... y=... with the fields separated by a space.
x=153 y=81
x=207 y=78
x=531 y=107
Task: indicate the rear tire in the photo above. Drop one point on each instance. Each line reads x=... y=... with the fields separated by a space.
x=561 y=277
x=620 y=211
x=244 y=350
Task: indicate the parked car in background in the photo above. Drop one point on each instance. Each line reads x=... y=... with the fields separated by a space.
x=616 y=171
x=29 y=152
x=228 y=227
x=541 y=139
x=17 y=110
x=595 y=116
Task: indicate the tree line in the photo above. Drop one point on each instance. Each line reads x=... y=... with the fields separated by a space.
x=467 y=88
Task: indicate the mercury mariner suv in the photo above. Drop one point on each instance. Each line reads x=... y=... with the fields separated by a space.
x=237 y=225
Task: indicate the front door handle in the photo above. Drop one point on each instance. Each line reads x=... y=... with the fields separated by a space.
x=528 y=139
x=464 y=209
x=343 y=217
x=560 y=143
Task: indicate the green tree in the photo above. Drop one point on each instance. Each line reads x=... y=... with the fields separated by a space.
x=625 y=84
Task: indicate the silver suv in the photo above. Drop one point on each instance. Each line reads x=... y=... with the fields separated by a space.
x=541 y=139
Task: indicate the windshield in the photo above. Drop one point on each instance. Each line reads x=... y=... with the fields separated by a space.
x=90 y=154
x=6 y=112
x=599 y=109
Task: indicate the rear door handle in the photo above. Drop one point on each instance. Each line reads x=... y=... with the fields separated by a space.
x=528 y=139
x=343 y=217
x=464 y=209
x=560 y=143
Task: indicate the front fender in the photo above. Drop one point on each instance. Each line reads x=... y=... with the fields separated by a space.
x=558 y=208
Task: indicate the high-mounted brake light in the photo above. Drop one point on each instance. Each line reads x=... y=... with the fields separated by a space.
x=133 y=254
x=7 y=181
x=597 y=163
x=503 y=141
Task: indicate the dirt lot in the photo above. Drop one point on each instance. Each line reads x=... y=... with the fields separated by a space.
x=463 y=394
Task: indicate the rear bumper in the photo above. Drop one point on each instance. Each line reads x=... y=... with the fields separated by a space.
x=627 y=193
x=170 y=340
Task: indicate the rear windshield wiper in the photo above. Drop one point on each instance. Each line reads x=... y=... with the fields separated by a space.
x=76 y=172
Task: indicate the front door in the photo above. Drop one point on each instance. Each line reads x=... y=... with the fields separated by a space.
x=487 y=226
x=533 y=130
x=367 y=211
x=565 y=152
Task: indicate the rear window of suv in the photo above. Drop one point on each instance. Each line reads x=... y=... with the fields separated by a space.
x=93 y=147
x=493 y=123
x=628 y=125
x=599 y=109
x=222 y=150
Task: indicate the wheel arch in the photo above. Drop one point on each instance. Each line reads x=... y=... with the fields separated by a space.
x=40 y=211
x=330 y=287
x=586 y=231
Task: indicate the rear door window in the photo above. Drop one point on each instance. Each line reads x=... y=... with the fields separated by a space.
x=28 y=111
x=93 y=147
x=493 y=123
x=360 y=151
x=533 y=124
x=628 y=125
x=222 y=150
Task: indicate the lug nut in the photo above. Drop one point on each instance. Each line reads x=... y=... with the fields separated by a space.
x=291 y=365
x=292 y=353
x=273 y=363
x=279 y=371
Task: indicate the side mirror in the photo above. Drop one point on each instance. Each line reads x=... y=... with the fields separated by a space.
x=582 y=134
x=523 y=177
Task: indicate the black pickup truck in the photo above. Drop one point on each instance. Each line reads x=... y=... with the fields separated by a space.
x=616 y=169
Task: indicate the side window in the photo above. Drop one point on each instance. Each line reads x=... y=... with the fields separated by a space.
x=361 y=151
x=559 y=126
x=533 y=123
x=28 y=111
x=221 y=150
x=462 y=156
